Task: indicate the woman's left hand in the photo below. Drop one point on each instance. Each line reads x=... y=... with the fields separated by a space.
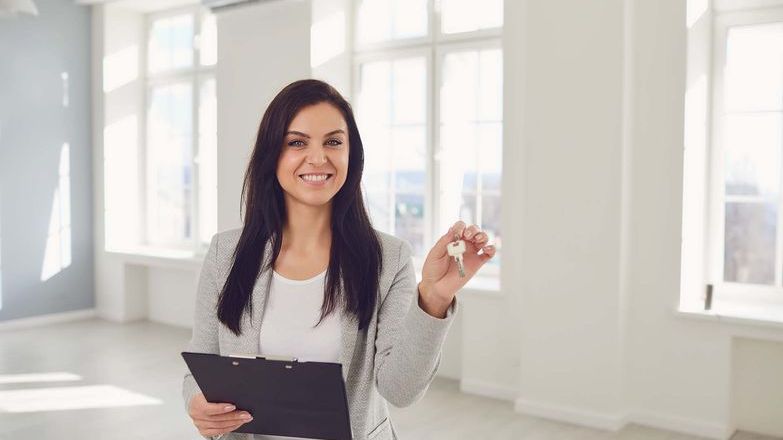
x=440 y=276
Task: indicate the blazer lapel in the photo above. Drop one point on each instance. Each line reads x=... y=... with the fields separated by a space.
x=251 y=325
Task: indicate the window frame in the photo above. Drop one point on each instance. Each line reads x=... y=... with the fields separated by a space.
x=734 y=293
x=391 y=55
x=195 y=76
x=434 y=46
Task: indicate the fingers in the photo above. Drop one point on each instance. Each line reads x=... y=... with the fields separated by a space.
x=453 y=234
x=458 y=229
x=214 y=409
x=220 y=424
x=489 y=252
x=234 y=416
x=470 y=231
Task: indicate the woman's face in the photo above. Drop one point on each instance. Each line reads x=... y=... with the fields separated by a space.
x=313 y=163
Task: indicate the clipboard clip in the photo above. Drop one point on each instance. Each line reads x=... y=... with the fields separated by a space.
x=278 y=358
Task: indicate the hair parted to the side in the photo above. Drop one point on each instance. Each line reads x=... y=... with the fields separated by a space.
x=355 y=255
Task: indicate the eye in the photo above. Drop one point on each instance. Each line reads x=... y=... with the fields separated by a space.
x=337 y=142
x=295 y=144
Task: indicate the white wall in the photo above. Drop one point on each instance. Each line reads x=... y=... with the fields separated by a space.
x=261 y=48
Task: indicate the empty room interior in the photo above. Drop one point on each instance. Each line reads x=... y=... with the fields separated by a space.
x=391 y=219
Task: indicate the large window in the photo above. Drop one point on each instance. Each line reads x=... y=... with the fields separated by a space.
x=748 y=137
x=181 y=153
x=428 y=88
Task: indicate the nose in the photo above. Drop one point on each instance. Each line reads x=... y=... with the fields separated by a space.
x=316 y=156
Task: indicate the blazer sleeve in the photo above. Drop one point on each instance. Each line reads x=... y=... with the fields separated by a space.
x=204 y=338
x=408 y=340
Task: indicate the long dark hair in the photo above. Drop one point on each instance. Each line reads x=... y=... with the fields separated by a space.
x=355 y=255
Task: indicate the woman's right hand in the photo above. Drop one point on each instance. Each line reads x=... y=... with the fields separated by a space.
x=215 y=418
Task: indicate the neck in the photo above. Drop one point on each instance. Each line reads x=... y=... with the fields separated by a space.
x=308 y=228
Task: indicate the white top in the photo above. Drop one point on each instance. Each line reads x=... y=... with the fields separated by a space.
x=292 y=309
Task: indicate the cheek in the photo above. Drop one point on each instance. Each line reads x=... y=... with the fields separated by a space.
x=341 y=162
x=286 y=166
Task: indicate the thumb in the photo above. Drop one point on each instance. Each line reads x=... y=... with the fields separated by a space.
x=440 y=249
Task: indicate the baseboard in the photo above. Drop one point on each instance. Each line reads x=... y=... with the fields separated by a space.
x=681 y=424
x=52 y=318
x=486 y=389
x=615 y=422
x=610 y=422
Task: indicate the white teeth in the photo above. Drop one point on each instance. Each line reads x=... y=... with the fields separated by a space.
x=315 y=177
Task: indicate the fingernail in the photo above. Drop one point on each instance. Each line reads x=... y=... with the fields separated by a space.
x=229 y=407
x=247 y=417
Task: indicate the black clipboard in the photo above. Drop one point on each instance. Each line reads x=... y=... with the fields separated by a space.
x=285 y=397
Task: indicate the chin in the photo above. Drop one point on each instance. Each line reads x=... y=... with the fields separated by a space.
x=314 y=201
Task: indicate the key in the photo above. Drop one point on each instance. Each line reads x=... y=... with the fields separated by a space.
x=456 y=249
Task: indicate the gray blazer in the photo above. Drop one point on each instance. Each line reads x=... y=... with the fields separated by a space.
x=393 y=360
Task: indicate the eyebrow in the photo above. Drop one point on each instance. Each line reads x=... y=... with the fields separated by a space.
x=308 y=136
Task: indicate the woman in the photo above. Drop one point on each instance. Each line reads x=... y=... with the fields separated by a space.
x=307 y=276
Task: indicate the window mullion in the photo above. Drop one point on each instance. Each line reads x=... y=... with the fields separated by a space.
x=778 y=235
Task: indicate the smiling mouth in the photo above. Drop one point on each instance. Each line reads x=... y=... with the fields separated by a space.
x=316 y=178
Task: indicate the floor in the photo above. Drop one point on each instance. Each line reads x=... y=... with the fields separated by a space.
x=123 y=382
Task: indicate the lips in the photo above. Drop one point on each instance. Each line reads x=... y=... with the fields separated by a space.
x=315 y=179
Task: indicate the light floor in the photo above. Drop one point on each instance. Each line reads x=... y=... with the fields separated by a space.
x=138 y=366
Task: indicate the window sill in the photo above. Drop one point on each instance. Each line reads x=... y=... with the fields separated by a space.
x=769 y=316
x=159 y=257
x=482 y=285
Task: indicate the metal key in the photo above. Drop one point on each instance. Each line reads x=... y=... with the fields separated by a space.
x=456 y=249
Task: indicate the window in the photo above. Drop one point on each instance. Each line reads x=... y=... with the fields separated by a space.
x=428 y=88
x=181 y=142
x=748 y=137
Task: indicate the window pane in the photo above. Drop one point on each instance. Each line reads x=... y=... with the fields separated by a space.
x=378 y=205
x=384 y=20
x=208 y=40
x=409 y=91
x=490 y=97
x=170 y=43
x=490 y=222
x=471 y=129
x=410 y=159
x=459 y=87
x=374 y=102
x=169 y=153
x=750 y=238
x=752 y=153
x=490 y=157
x=754 y=68
x=391 y=112
x=207 y=160
x=470 y=15
x=467 y=209
x=458 y=160
x=409 y=220
x=410 y=18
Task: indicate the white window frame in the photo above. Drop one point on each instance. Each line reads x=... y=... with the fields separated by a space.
x=195 y=75
x=733 y=293
x=434 y=46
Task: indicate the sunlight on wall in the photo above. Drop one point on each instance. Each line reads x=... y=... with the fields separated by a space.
x=120 y=68
x=65 y=398
x=327 y=38
x=694 y=11
x=58 y=242
x=38 y=377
